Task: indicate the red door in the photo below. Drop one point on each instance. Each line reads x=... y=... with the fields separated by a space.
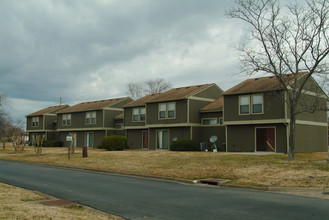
x=265 y=139
x=145 y=139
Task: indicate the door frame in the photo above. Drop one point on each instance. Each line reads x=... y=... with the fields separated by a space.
x=156 y=139
x=93 y=136
x=148 y=137
x=274 y=127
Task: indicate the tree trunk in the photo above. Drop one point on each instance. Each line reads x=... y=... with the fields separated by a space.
x=292 y=130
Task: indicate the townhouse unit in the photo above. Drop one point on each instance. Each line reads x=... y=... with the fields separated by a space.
x=90 y=121
x=212 y=124
x=43 y=122
x=154 y=121
x=256 y=116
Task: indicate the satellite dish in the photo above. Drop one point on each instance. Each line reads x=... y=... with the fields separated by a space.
x=213 y=139
x=174 y=138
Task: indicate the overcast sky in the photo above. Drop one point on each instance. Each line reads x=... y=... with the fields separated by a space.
x=84 y=50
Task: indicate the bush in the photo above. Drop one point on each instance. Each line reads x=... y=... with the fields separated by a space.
x=53 y=144
x=114 y=142
x=184 y=145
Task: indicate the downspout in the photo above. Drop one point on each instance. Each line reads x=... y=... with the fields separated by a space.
x=286 y=120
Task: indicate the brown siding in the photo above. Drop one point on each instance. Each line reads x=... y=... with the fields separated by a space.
x=317 y=116
x=152 y=113
x=135 y=140
x=211 y=114
x=50 y=122
x=78 y=120
x=121 y=104
x=180 y=133
x=109 y=117
x=273 y=108
x=212 y=92
x=311 y=138
x=208 y=131
x=29 y=123
x=195 y=106
x=242 y=138
x=128 y=118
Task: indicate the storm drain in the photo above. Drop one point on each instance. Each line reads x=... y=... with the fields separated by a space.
x=212 y=181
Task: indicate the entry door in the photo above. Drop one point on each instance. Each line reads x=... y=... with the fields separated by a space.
x=163 y=139
x=90 y=139
x=145 y=139
x=265 y=139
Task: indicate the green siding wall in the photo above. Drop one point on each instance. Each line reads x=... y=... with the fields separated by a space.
x=212 y=92
x=241 y=138
x=273 y=108
x=195 y=106
x=152 y=113
x=311 y=138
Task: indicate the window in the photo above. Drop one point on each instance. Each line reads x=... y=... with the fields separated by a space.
x=209 y=121
x=35 y=121
x=244 y=104
x=221 y=121
x=66 y=119
x=139 y=114
x=167 y=110
x=119 y=126
x=142 y=114
x=91 y=118
x=135 y=114
x=257 y=104
x=162 y=110
x=255 y=101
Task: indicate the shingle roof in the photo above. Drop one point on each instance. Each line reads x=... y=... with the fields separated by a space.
x=172 y=94
x=48 y=110
x=92 y=105
x=214 y=106
x=121 y=116
x=259 y=84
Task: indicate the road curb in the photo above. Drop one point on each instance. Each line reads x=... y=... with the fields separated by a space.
x=291 y=190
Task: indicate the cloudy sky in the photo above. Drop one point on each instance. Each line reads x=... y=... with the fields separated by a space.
x=83 y=50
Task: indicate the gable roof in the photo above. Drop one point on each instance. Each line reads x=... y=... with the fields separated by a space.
x=170 y=95
x=92 y=105
x=216 y=105
x=260 y=84
x=48 y=110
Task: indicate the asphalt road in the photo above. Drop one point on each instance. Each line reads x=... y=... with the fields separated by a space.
x=139 y=198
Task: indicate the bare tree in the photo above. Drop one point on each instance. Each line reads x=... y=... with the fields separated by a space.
x=152 y=86
x=289 y=42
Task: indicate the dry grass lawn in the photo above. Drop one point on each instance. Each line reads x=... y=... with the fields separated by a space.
x=17 y=203
x=308 y=170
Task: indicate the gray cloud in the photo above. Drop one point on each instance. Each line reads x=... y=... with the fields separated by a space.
x=88 y=50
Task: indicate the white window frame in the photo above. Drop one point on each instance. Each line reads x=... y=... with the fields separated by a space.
x=166 y=116
x=139 y=114
x=65 y=119
x=209 y=119
x=251 y=104
x=89 y=118
x=244 y=96
x=35 y=121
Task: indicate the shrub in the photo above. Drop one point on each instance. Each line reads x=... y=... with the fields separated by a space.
x=184 y=145
x=53 y=144
x=114 y=142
